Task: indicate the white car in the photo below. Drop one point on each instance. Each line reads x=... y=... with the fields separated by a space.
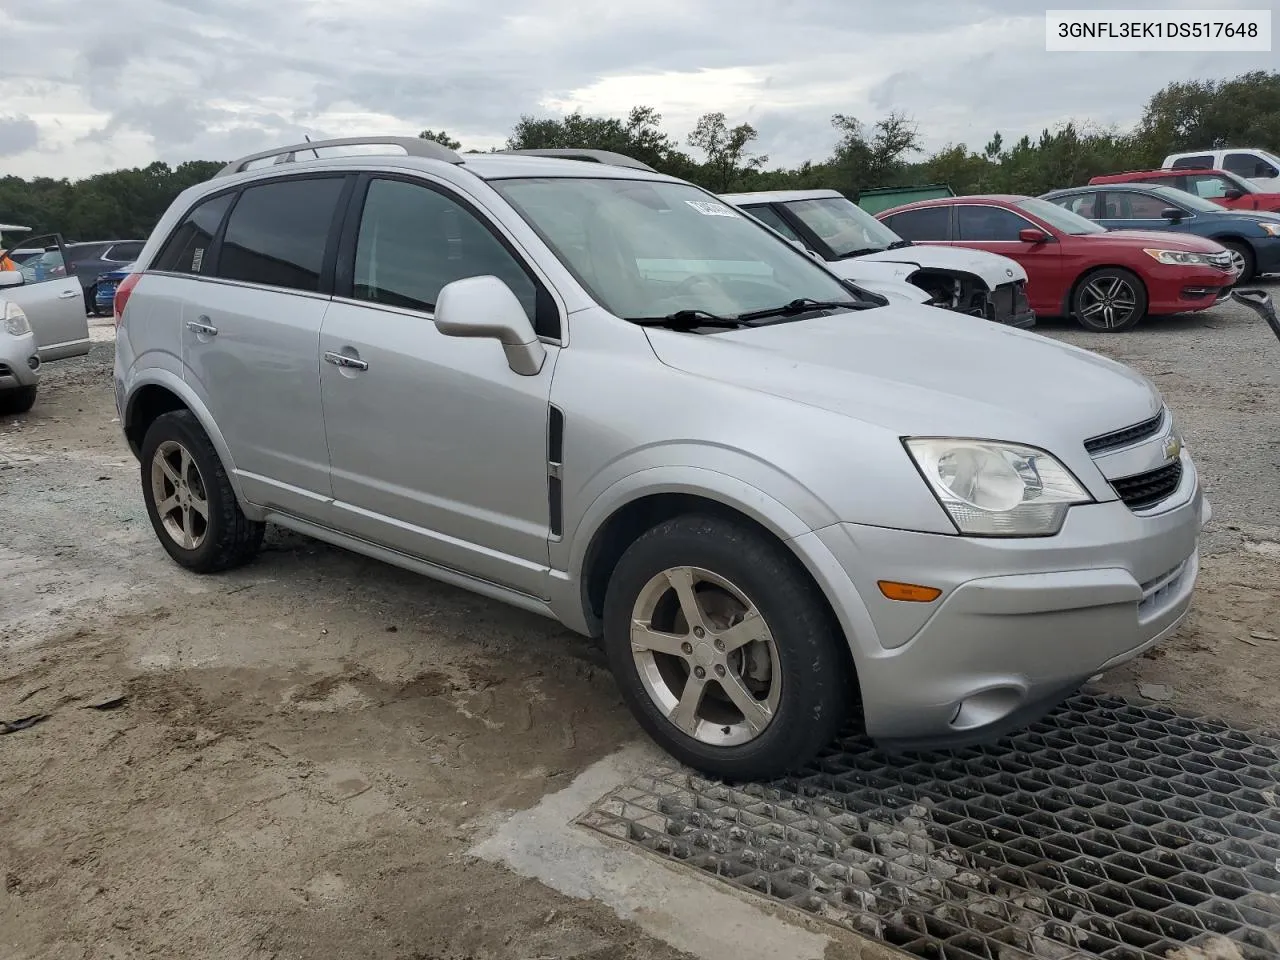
x=1261 y=167
x=860 y=248
x=19 y=360
x=51 y=297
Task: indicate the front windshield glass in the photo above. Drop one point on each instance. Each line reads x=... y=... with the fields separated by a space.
x=647 y=249
x=1060 y=219
x=1189 y=201
x=843 y=225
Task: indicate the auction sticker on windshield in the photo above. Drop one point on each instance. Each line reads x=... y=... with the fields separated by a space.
x=709 y=209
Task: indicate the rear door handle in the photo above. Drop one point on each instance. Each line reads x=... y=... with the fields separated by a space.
x=198 y=326
x=67 y=294
x=342 y=360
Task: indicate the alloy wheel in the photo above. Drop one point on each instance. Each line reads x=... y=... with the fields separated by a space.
x=705 y=656
x=178 y=491
x=1108 y=301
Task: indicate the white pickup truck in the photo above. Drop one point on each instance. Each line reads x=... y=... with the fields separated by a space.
x=860 y=248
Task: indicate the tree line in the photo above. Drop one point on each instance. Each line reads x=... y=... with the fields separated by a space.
x=722 y=156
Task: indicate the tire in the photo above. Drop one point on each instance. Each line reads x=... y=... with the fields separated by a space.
x=806 y=697
x=220 y=539
x=1242 y=256
x=1112 y=285
x=19 y=400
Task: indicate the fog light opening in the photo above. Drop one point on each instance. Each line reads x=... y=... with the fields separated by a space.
x=33 y=363
x=908 y=592
x=987 y=707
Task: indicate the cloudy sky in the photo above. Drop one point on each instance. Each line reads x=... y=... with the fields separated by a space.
x=89 y=85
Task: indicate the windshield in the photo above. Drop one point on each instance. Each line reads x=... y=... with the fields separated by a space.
x=1062 y=220
x=646 y=249
x=1189 y=201
x=844 y=226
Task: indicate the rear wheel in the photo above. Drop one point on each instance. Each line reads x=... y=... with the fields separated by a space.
x=1243 y=262
x=724 y=649
x=17 y=401
x=189 y=498
x=1109 y=300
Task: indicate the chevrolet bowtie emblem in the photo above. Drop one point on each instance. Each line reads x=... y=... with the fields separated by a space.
x=1172 y=447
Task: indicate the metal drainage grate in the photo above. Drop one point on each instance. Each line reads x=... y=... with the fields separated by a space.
x=1107 y=830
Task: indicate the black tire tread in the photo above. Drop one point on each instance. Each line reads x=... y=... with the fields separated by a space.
x=237 y=537
x=1139 y=286
x=19 y=400
x=811 y=629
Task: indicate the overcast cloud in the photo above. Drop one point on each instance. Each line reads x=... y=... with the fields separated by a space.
x=89 y=86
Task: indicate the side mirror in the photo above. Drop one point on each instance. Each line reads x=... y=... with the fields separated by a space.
x=11 y=278
x=486 y=307
x=1233 y=194
x=1171 y=213
x=1032 y=235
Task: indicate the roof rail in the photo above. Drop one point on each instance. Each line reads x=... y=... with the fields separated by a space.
x=592 y=156
x=412 y=146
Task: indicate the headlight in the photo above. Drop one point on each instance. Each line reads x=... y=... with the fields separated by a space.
x=1177 y=256
x=15 y=321
x=1272 y=229
x=997 y=489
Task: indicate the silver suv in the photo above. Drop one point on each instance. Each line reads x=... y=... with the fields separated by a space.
x=603 y=395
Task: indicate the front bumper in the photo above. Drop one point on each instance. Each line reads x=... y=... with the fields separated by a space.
x=1020 y=624
x=1181 y=289
x=19 y=361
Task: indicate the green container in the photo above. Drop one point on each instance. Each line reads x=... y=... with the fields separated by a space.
x=883 y=198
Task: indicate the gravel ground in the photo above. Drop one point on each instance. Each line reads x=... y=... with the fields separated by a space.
x=298 y=754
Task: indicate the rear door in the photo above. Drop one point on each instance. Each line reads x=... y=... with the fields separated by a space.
x=53 y=301
x=251 y=330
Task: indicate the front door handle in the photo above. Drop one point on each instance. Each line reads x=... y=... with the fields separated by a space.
x=342 y=360
x=67 y=294
x=197 y=326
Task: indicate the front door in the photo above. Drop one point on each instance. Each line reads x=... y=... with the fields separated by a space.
x=51 y=297
x=437 y=449
x=1127 y=210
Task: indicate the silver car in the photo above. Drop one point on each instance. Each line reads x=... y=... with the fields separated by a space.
x=19 y=360
x=603 y=395
x=51 y=297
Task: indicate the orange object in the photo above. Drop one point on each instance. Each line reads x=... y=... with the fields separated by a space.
x=909 y=592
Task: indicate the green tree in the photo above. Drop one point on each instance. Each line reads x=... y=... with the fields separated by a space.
x=725 y=147
x=442 y=138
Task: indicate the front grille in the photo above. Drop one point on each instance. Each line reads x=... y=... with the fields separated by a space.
x=1122 y=438
x=1147 y=489
x=1000 y=304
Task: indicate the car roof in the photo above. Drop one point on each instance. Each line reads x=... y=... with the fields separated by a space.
x=780 y=196
x=996 y=198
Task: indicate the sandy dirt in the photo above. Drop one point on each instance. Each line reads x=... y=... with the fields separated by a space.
x=291 y=760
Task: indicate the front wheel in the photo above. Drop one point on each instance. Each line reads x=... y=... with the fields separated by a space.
x=1109 y=300
x=190 y=500
x=19 y=400
x=724 y=650
x=1243 y=262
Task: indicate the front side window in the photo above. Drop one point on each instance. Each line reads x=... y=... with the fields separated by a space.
x=187 y=249
x=1248 y=165
x=843 y=226
x=992 y=224
x=278 y=233
x=46 y=265
x=926 y=223
x=648 y=249
x=414 y=240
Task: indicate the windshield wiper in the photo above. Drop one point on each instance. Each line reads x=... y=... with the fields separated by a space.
x=689 y=320
x=804 y=305
x=861 y=251
x=899 y=244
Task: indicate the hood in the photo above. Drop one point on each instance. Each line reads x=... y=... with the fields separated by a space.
x=1166 y=239
x=1253 y=216
x=919 y=370
x=992 y=268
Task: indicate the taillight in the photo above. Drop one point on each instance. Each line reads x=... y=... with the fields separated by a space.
x=122 y=295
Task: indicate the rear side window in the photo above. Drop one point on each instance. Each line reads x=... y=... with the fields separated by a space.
x=770 y=216
x=975 y=222
x=123 y=252
x=278 y=233
x=188 y=247
x=1203 y=162
x=1135 y=206
x=1084 y=204
x=927 y=223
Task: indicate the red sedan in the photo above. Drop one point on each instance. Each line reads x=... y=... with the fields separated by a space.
x=1107 y=279
x=1221 y=186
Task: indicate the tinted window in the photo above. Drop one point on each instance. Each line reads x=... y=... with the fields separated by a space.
x=82 y=252
x=987 y=223
x=124 y=252
x=413 y=241
x=773 y=219
x=1193 y=163
x=1084 y=204
x=927 y=223
x=278 y=232
x=1248 y=165
x=187 y=248
x=1135 y=206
